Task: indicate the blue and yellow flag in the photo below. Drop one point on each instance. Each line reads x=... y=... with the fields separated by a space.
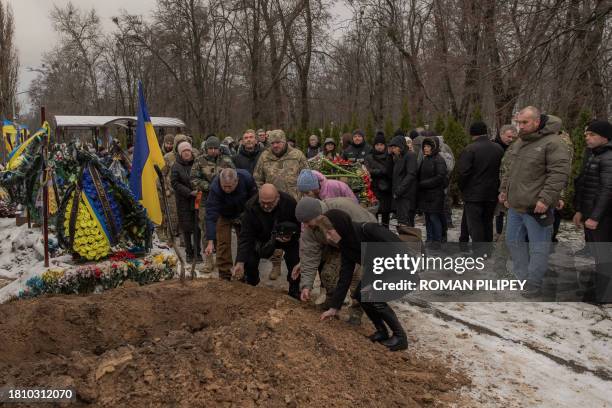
x=16 y=156
x=147 y=154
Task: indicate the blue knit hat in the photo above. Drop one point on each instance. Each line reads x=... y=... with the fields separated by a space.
x=307 y=181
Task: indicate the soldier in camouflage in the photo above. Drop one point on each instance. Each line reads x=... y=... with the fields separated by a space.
x=204 y=170
x=279 y=165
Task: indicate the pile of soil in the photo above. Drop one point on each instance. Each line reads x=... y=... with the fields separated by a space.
x=208 y=343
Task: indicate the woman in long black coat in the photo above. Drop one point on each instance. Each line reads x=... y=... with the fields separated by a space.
x=380 y=165
x=433 y=179
x=185 y=196
x=348 y=236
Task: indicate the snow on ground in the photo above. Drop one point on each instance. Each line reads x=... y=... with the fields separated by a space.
x=21 y=257
x=517 y=354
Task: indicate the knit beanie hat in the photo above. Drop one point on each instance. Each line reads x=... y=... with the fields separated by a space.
x=169 y=138
x=307 y=181
x=478 y=129
x=183 y=146
x=212 y=142
x=359 y=132
x=379 y=138
x=602 y=127
x=308 y=209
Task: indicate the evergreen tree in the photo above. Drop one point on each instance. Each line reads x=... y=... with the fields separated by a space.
x=456 y=137
x=405 y=121
x=439 y=125
x=579 y=146
x=389 y=128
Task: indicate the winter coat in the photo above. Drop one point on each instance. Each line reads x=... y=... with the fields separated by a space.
x=593 y=193
x=433 y=179
x=185 y=202
x=312 y=152
x=281 y=171
x=333 y=188
x=357 y=152
x=405 y=173
x=257 y=225
x=205 y=168
x=478 y=170
x=247 y=160
x=230 y=206
x=364 y=232
x=380 y=166
x=313 y=241
x=539 y=165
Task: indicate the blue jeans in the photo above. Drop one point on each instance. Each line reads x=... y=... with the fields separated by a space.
x=529 y=259
x=434 y=225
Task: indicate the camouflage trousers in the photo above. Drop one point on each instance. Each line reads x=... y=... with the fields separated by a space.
x=330 y=273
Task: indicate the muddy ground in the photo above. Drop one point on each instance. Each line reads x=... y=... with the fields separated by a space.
x=210 y=343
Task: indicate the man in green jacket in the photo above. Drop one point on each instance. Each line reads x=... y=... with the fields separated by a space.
x=539 y=168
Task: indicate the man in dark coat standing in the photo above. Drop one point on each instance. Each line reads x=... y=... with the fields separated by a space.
x=405 y=180
x=358 y=149
x=268 y=223
x=478 y=171
x=380 y=165
x=248 y=152
x=433 y=179
x=593 y=203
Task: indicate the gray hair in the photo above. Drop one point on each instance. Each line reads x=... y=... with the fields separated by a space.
x=228 y=175
x=506 y=128
x=533 y=111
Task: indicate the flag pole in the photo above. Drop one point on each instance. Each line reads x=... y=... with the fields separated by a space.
x=45 y=187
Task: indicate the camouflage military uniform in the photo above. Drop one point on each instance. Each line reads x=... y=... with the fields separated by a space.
x=204 y=170
x=281 y=171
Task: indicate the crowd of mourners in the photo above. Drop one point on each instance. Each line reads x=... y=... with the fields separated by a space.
x=512 y=185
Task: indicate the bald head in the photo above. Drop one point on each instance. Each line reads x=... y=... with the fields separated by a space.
x=268 y=197
x=528 y=120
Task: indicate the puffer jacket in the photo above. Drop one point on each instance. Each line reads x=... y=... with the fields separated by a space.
x=333 y=188
x=357 y=152
x=313 y=241
x=593 y=194
x=433 y=179
x=539 y=166
x=185 y=202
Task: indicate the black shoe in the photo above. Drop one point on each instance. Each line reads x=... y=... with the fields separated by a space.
x=396 y=343
x=378 y=336
x=189 y=258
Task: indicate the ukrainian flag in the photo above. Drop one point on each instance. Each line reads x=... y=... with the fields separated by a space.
x=147 y=154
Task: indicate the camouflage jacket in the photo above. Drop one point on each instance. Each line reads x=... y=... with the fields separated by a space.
x=281 y=171
x=205 y=168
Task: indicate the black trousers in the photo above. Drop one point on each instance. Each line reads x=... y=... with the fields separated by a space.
x=292 y=258
x=599 y=242
x=404 y=211
x=479 y=217
x=465 y=233
x=190 y=237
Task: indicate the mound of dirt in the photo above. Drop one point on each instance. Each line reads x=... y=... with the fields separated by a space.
x=208 y=343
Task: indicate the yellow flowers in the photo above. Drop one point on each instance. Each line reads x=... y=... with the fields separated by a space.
x=52 y=275
x=90 y=242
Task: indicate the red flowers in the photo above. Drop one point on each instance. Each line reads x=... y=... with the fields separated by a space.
x=122 y=256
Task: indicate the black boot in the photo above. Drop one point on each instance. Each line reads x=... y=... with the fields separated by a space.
x=381 y=332
x=294 y=289
x=398 y=341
